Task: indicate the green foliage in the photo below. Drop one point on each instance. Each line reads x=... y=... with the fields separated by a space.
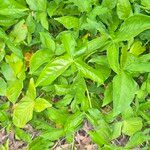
x=64 y=62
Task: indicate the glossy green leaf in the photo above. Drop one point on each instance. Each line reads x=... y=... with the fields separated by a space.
x=124 y=89
x=39 y=58
x=52 y=70
x=132 y=26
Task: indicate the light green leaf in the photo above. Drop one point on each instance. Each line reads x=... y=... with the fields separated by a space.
x=44 y=20
x=124 y=88
x=96 y=44
x=90 y=72
x=141 y=67
x=47 y=41
x=23 y=135
x=32 y=4
x=69 y=42
x=109 y=3
x=137 y=48
x=82 y=5
x=13 y=12
x=97 y=138
x=19 y=33
x=41 y=104
x=132 y=125
x=108 y=95
x=137 y=139
x=13 y=90
x=124 y=9
x=3 y=86
x=113 y=57
x=146 y=4
x=68 y=21
x=2 y=51
x=23 y=112
x=39 y=58
x=31 y=92
x=41 y=5
x=117 y=130
x=132 y=26
x=52 y=70
x=7 y=72
x=40 y=143
x=73 y=122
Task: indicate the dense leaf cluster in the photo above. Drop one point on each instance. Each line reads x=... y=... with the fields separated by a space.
x=64 y=62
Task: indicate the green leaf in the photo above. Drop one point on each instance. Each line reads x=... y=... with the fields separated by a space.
x=40 y=143
x=90 y=72
x=19 y=33
x=23 y=135
x=7 y=72
x=53 y=134
x=95 y=44
x=47 y=41
x=132 y=26
x=52 y=70
x=44 y=20
x=73 y=122
x=68 y=22
x=124 y=9
x=137 y=48
x=132 y=125
x=146 y=4
x=13 y=90
x=109 y=3
x=39 y=58
x=82 y=5
x=117 y=130
x=124 y=88
x=3 y=86
x=113 y=57
x=68 y=42
x=57 y=115
x=31 y=92
x=2 y=51
x=141 y=67
x=32 y=4
x=97 y=138
x=108 y=95
x=23 y=112
x=137 y=139
x=41 y=104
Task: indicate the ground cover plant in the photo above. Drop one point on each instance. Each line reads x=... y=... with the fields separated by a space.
x=74 y=74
